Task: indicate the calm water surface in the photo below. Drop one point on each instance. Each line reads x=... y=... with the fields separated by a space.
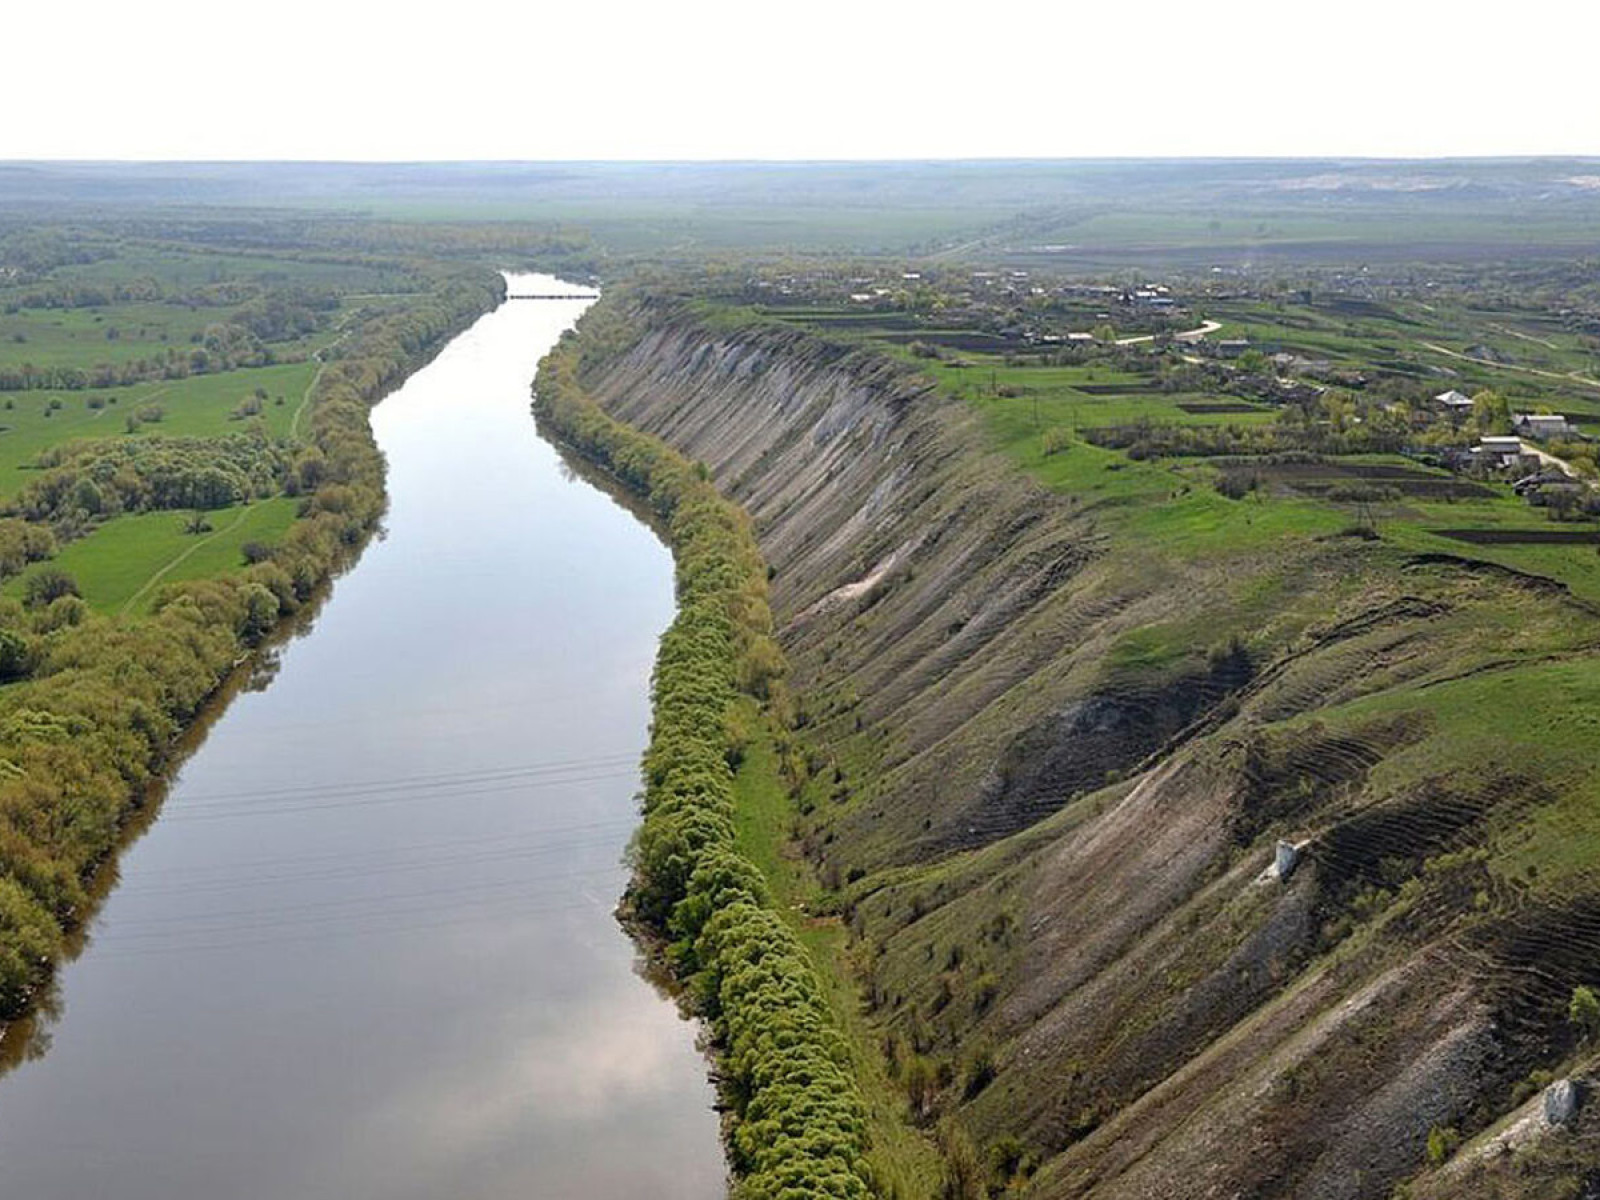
x=367 y=950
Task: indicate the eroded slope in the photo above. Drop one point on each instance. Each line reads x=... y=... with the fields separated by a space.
x=1052 y=760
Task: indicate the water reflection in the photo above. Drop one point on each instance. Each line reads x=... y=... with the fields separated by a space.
x=368 y=950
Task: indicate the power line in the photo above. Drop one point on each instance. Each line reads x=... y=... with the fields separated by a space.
x=382 y=853
x=344 y=930
x=356 y=787
x=244 y=882
x=317 y=912
x=365 y=800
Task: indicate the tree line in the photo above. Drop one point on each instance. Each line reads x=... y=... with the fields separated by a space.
x=797 y=1118
x=222 y=346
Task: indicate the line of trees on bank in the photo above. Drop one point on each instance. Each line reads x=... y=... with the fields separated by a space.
x=97 y=702
x=798 y=1122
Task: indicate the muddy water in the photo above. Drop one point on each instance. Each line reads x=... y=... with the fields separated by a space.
x=367 y=949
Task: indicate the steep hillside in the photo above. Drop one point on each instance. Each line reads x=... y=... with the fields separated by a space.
x=1055 y=743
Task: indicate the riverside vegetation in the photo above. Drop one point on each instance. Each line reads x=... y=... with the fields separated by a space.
x=93 y=698
x=797 y=1120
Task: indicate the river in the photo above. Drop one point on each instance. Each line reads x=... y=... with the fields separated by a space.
x=367 y=949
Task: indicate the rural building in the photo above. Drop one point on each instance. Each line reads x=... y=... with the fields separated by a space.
x=1233 y=347
x=1454 y=401
x=1297 y=391
x=1286 y=362
x=1501 y=451
x=1543 y=426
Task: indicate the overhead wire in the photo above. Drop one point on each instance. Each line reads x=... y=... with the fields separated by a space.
x=384 y=853
x=340 y=797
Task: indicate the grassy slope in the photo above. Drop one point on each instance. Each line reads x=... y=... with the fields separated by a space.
x=1533 y=712
x=903 y=1160
x=1167 y=507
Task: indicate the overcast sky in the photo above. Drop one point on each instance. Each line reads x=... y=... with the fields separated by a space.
x=471 y=79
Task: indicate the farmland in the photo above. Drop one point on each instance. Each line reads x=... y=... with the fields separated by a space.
x=1052 y=419
x=115 y=559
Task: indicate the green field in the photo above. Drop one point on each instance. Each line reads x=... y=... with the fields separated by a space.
x=83 y=315
x=195 y=407
x=120 y=566
x=903 y=1159
x=186 y=267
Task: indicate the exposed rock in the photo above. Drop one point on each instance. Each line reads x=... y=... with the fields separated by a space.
x=1561 y=1101
x=1286 y=860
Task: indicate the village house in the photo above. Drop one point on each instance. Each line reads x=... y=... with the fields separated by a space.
x=1454 y=402
x=1542 y=426
x=1297 y=391
x=1498 y=452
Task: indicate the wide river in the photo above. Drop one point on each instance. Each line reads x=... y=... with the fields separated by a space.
x=367 y=949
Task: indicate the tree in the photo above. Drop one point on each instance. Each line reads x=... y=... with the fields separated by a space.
x=1584 y=1011
x=261 y=613
x=88 y=497
x=15 y=659
x=47 y=585
x=1491 y=413
x=1105 y=333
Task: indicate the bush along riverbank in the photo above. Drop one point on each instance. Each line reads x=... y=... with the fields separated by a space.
x=797 y=1123
x=91 y=705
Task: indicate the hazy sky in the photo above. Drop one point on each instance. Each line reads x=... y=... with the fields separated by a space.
x=818 y=79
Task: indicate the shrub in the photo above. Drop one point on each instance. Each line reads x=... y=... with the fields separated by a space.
x=1583 y=1010
x=1055 y=440
x=1237 y=484
x=1442 y=1143
x=47 y=585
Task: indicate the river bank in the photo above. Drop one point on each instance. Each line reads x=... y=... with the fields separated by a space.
x=368 y=948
